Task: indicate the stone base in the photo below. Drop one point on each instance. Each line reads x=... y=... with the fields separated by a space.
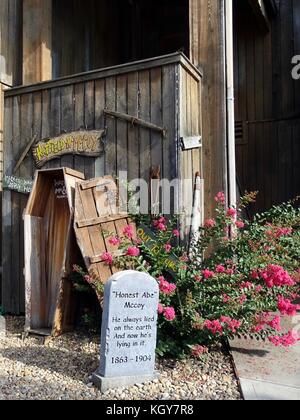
x=106 y=384
x=2 y=326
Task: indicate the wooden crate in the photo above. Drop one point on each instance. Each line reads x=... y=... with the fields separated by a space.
x=50 y=251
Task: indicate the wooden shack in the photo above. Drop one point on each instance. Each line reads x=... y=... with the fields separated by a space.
x=148 y=111
x=50 y=251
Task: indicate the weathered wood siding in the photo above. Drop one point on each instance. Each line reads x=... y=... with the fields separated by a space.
x=267 y=104
x=207 y=45
x=149 y=90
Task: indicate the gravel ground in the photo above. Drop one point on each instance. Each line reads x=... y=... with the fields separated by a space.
x=60 y=369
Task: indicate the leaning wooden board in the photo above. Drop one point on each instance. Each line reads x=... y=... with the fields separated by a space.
x=96 y=215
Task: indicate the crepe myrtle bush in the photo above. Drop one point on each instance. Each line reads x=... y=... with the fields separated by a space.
x=236 y=281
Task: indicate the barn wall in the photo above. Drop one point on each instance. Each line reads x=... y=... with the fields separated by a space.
x=267 y=104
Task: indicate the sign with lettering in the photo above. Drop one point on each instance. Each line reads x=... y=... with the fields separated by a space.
x=129 y=325
x=85 y=143
x=149 y=241
x=20 y=185
x=60 y=189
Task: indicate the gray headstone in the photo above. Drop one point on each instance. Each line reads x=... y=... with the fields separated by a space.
x=129 y=331
x=2 y=327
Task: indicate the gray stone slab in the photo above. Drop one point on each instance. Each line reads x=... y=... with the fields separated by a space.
x=263 y=361
x=105 y=384
x=267 y=391
x=2 y=326
x=129 y=330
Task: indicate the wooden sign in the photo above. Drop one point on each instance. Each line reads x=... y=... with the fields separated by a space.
x=149 y=241
x=60 y=189
x=85 y=143
x=19 y=185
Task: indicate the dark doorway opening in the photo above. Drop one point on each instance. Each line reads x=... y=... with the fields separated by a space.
x=91 y=34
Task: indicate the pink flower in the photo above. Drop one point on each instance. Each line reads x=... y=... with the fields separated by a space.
x=107 y=258
x=170 y=314
x=168 y=248
x=115 y=241
x=128 y=231
x=254 y=275
x=274 y=275
x=275 y=323
x=176 y=233
x=214 y=326
x=160 y=309
x=231 y=212
x=210 y=223
x=207 y=274
x=246 y=285
x=226 y=299
x=243 y=299
x=88 y=279
x=165 y=287
x=198 y=351
x=287 y=340
x=283 y=232
x=160 y=224
x=230 y=271
x=220 y=198
x=133 y=251
x=286 y=307
x=258 y=289
x=239 y=224
x=220 y=269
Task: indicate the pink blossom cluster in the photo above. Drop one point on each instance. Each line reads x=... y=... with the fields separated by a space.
x=169 y=314
x=128 y=231
x=288 y=340
x=214 y=326
x=231 y=212
x=198 y=351
x=160 y=224
x=286 y=307
x=210 y=223
x=165 y=287
x=246 y=285
x=107 y=258
x=133 y=251
x=220 y=198
x=278 y=232
x=232 y=324
x=265 y=320
x=274 y=275
x=115 y=241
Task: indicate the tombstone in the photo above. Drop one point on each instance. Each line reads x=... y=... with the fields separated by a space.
x=2 y=327
x=129 y=331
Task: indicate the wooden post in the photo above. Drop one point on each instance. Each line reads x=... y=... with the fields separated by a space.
x=207 y=45
x=37 y=41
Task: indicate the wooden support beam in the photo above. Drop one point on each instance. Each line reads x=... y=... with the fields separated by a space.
x=260 y=11
x=37 y=41
x=207 y=50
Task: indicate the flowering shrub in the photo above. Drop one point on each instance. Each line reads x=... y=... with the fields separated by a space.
x=235 y=290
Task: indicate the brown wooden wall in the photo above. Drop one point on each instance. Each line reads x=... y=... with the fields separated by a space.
x=268 y=104
x=148 y=90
